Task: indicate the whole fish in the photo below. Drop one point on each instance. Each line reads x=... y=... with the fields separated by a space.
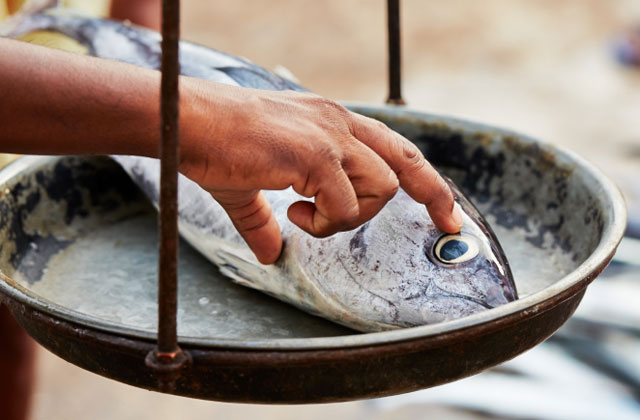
x=397 y=270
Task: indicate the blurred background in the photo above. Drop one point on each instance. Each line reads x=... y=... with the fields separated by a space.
x=546 y=68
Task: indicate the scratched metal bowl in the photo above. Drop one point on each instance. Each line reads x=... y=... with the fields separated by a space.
x=78 y=263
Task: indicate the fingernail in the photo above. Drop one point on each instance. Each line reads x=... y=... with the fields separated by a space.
x=456 y=215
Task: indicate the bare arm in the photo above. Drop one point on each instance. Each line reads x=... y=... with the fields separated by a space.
x=234 y=141
x=60 y=103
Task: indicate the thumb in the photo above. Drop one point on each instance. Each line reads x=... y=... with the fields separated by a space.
x=251 y=214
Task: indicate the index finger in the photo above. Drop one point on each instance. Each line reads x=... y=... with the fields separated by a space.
x=416 y=175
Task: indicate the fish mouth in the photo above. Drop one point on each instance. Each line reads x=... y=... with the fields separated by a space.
x=477 y=301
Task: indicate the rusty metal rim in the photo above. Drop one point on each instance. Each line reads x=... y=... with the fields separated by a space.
x=305 y=375
x=487 y=320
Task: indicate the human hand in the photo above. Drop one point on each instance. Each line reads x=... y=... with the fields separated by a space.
x=237 y=141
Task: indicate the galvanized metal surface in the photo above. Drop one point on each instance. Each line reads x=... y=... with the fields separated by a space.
x=77 y=274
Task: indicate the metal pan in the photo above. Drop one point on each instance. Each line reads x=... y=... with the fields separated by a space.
x=78 y=263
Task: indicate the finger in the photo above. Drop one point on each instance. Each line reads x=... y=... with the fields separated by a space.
x=335 y=207
x=416 y=175
x=374 y=182
x=252 y=216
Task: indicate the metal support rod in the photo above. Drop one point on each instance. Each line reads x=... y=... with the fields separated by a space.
x=393 y=26
x=168 y=217
x=168 y=360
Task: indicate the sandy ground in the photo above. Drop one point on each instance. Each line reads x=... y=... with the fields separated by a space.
x=542 y=67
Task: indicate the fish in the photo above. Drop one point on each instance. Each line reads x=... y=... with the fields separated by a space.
x=397 y=270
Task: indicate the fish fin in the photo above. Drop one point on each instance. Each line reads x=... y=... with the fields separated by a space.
x=239 y=270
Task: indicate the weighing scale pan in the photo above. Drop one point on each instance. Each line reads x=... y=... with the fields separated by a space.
x=78 y=261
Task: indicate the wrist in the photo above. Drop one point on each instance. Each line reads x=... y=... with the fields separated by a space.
x=211 y=115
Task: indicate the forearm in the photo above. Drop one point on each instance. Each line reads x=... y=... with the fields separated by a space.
x=53 y=102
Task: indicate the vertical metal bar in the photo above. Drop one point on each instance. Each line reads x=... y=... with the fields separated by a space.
x=168 y=360
x=168 y=217
x=393 y=26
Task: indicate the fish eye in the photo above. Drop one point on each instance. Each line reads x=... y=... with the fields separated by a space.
x=457 y=248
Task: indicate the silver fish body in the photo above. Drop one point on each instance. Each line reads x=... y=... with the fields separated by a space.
x=397 y=270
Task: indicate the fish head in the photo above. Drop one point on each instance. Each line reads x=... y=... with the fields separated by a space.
x=399 y=269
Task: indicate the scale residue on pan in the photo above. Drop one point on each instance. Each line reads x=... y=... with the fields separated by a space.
x=110 y=275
